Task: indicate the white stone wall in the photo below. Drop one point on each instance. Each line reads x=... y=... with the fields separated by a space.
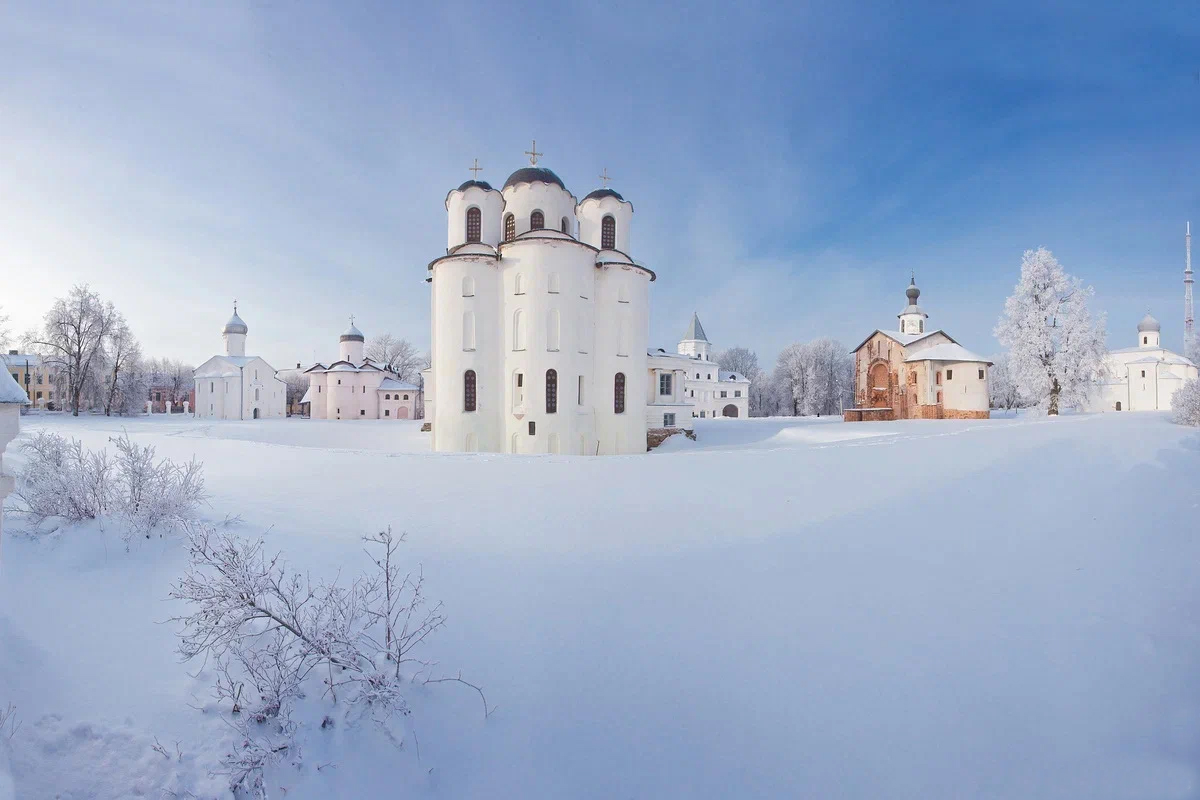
x=962 y=387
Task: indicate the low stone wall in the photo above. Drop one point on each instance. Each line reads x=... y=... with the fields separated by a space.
x=426 y=427
x=868 y=414
x=953 y=414
x=656 y=436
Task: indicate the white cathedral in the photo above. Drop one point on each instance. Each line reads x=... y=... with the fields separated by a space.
x=235 y=385
x=353 y=387
x=1144 y=377
x=539 y=322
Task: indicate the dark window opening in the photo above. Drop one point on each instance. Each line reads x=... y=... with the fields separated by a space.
x=510 y=228
x=619 y=393
x=551 y=391
x=469 y=390
x=474 y=225
x=608 y=234
x=537 y=221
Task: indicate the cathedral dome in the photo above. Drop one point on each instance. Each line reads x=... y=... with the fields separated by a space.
x=235 y=324
x=534 y=175
x=602 y=193
x=487 y=187
x=1149 y=324
x=912 y=292
x=351 y=334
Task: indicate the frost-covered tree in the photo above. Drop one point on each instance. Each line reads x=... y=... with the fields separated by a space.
x=1002 y=389
x=741 y=360
x=1185 y=404
x=73 y=335
x=296 y=385
x=132 y=388
x=1191 y=347
x=815 y=377
x=791 y=378
x=121 y=351
x=5 y=331
x=1056 y=348
x=399 y=355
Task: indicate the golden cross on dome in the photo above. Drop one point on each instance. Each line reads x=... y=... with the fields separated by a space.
x=604 y=177
x=475 y=168
x=533 y=154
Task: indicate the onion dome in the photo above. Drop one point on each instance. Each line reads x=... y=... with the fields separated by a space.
x=1149 y=324
x=600 y=194
x=351 y=334
x=487 y=187
x=235 y=324
x=912 y=292
x=534 y=175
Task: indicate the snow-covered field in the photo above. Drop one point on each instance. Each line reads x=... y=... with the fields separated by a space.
x=785 y=608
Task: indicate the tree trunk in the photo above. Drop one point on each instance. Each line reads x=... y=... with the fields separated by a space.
x=1055 y=389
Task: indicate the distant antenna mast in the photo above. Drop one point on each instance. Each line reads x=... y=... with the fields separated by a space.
x=1189 y=319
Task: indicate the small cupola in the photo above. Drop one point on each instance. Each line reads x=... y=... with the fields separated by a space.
x=912 y=318
x=1149 y=332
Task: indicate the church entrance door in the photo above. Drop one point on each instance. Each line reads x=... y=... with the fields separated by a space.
x=256 y=413
x=729 y=411
x=1118 y=405
x=402 y=413
x=877 y=390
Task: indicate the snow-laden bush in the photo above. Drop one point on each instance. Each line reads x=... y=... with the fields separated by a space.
x=1185 y=403
x=148 y=494
x=63 y=480
x=273 y=635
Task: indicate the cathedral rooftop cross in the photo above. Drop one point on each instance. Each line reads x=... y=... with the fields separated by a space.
x=604 y=179
x=475 y=168
x=533 y=154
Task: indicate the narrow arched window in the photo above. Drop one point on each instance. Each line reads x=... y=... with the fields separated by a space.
x=608 y=233
x=468 y=287
x=469 y=390
x=552 y=283
x=474 y=224
x=510 y=227
x=468 y=330
x=517 y=287
x=566 y=226
x=619 y=393
x=553 y=328
x=518 y=330
x=551 y=391
x=387 y=397
x=537 y=221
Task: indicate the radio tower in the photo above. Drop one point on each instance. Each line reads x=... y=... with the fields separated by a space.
x=1189 y=319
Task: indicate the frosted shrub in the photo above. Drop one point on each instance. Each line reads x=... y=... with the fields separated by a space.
x=271 y=633
x=61 y=479
x=1185 y=403
x=150 y=494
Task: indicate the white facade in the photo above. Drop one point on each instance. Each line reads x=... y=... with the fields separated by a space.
x=352 y=387
x=667 y=402
x=237 y=386
x=712 y=391
x=539 y=322
x=1144 y=377
x=12 y=399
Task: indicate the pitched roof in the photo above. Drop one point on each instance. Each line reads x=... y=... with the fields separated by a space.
x=11 y=391
x=395 y=385
x=725 y=375
x=695 y=330
x=904 y=339
x=947 y=351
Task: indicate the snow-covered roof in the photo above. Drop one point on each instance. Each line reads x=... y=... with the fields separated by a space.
x=11 y=391
x=695 y=331
x=663 y=353
x=725 y=375
x=235 y=324
x=396 y=386
x=351 y=334
x=904 y=339
x=21 y=359
x=947 y=351
x=223 y=366
x=307 y=396
x=349 y=366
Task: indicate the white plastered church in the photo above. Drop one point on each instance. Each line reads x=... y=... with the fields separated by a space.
x=1144 y=377
x=235 y=385
x=353 y=387
x=539 y=322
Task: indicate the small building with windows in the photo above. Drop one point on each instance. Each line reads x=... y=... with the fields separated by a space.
x=712 y=391
x=914 y=373
x=38 y=376
x=235 y=385
x=540 y=322
x=353 y=387
x=1144 y=377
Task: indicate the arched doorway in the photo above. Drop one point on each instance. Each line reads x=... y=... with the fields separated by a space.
x=402 y=412
x=877 y=388
x=729 y=411
x=256 y=413
x=1118 y=405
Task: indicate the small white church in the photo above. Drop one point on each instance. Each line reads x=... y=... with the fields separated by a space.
x=1144 y=377
x=235 y=385
x=353 y=387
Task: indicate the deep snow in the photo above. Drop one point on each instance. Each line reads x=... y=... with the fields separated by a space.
x=785 y=608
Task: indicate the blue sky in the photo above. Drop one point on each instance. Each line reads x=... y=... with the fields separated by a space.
x=789 y=163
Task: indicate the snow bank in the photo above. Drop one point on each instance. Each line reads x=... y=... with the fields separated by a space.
x=927 y=609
